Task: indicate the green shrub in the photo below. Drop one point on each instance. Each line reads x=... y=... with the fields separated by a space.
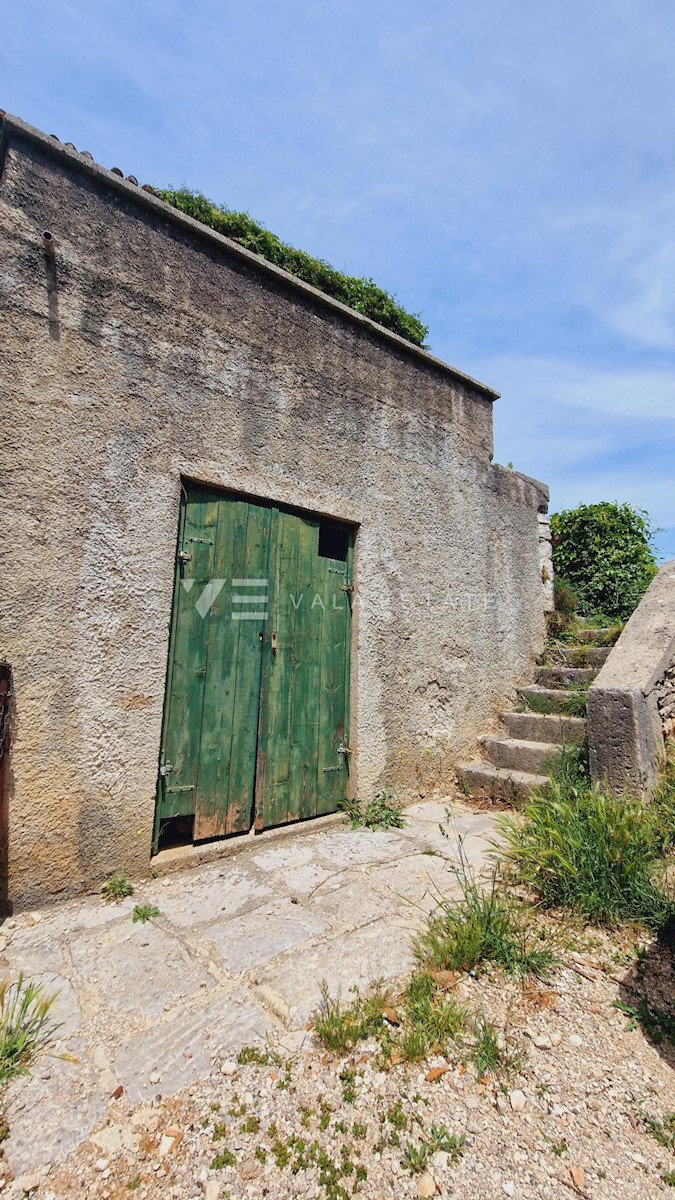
x=593 y=854
x=604 y=553
x=363 y=295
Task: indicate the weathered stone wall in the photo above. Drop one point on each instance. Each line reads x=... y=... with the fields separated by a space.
x=665 y=692
x=546 y=561
x=631 y=702
x=149 y=349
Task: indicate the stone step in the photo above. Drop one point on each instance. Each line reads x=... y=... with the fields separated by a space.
x=565 y=677
x=592 y=635
x=543 y=727
x=484 y=779
x=584 y=656
x=541 y=699
x=517 y=754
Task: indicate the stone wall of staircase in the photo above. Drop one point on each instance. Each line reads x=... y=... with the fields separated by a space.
x=546 y=560
x=666 y=701
x=631 y=705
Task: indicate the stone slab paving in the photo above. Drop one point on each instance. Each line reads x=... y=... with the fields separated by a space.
x=239 y=953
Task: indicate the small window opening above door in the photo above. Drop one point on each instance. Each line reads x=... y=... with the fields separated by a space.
x=333 y=540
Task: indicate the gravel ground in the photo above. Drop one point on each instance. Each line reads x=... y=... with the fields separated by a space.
x=573 y=1119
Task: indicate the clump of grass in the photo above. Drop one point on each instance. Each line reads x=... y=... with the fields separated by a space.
x=571 y=704
x=117 y=887
x=662 y=807
x=143 y=912
x=251 y=1054
x=25 y=1027
x=488 y=1054
x=382 y=812
x=423 y=1020
x=484 y=925
x=341 y=1027
x=593 y=854
x=431 y=1019
x=363 y=295
x=663 y=1131
x=657 y=1023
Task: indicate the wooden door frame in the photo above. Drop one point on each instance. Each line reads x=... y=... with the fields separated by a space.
x=228 y=492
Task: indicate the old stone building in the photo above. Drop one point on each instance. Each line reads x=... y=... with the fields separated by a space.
x=256 y=553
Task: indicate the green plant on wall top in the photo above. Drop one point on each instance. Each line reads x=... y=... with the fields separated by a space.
x=605 y=552
x=363 y=295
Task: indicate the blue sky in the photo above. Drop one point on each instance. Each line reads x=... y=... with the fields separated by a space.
x=505 y=167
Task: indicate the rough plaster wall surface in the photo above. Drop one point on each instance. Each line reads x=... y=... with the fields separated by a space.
x=630 y=705
x=145 y=352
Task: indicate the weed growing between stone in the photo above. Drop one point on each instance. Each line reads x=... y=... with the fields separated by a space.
x=336 y=1161
x=416 y=1157
x=143 y=912
x=485 y=924
x=382 y=812
x=570 y=704
x=117 y=887
x=25 y=1027
x=489 y=1054
x=423 y=1021
x=658 y=1024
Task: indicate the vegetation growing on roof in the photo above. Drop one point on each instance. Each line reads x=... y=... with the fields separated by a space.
x=363 y=295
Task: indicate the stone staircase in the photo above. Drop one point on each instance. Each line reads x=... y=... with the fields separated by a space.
x=551 y=714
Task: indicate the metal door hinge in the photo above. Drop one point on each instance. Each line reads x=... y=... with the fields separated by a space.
x=342 y=749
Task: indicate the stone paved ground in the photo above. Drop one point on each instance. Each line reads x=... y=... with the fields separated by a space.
x=238 y=952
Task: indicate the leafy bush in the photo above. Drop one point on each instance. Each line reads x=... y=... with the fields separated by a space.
x=363 y=295
x=593 y=854
x=604 y=552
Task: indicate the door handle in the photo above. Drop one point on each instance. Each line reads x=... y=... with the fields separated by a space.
x=273 y=646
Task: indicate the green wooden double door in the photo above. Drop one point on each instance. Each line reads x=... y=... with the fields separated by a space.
x=257 y=692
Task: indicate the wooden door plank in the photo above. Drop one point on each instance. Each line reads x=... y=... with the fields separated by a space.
x=333 y=768
x=251 y=617
x=278 y=666
x=185 y=695
x=211 y=808
x=305 y=680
